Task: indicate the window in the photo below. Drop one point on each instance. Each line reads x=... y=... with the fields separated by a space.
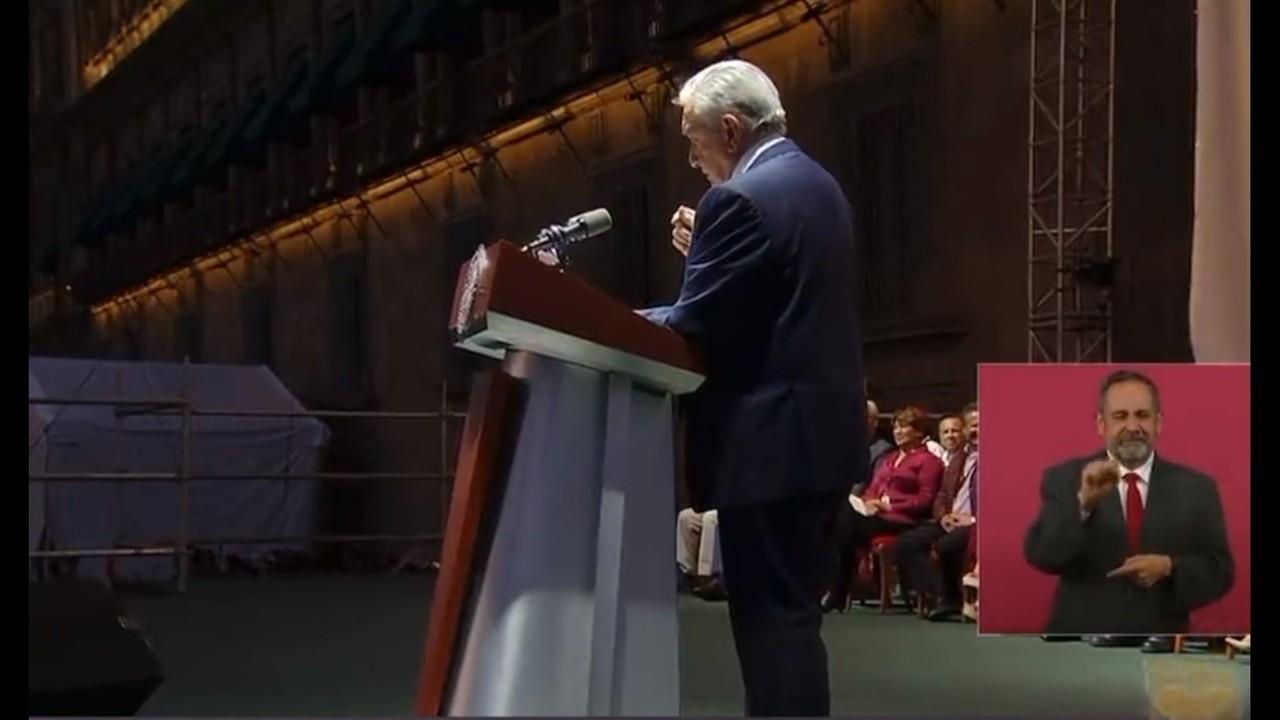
x=188 y=336
x=126 y=342
x=256 y=90
x=346 y=109
x=881 y=143
x=297 y=58
x=618 y=262
x=533 y=13
x=888 y=119
x=257 y=323
x=345 y=23
x=887 y=183
x=218 y=108
x=348 y=327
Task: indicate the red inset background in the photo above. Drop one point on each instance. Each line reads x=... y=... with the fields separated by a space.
x=1035 y=416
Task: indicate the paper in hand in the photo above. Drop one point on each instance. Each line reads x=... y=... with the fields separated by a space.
x=859 y=506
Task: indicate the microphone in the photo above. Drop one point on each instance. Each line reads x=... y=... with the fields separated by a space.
x=576 y=229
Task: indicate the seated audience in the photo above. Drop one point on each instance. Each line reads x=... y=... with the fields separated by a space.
x=698 y=552
x=899 y=497
x=954 y=516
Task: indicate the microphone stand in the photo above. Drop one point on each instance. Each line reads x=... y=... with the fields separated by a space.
x=551 y=240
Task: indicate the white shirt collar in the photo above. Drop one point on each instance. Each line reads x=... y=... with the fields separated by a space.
x=750 y=157
x=1143 y=471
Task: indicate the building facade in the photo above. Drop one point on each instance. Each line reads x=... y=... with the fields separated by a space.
x=295 y=182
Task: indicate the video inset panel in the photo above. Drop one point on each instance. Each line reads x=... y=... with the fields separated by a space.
x=1115 y=499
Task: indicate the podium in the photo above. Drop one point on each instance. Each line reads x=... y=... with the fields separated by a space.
x=556 y=593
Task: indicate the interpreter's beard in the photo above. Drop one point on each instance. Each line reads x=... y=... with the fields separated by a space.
x=1131 y=449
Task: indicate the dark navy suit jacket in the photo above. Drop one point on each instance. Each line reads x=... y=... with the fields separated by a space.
x=770 y=302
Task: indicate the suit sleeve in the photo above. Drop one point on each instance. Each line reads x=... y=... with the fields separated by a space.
x=657 y=315
x=945 y=496
x=1056 y=539
x=1207 y=573
x=729 y=247
x=940 y=505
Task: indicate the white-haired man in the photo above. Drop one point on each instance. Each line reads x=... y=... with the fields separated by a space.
x=776 y=436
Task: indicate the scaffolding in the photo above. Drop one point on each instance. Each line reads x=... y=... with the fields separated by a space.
x=1069 y=181
x=181 y=547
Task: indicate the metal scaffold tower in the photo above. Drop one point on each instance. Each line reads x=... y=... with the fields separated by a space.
x=1069 y=181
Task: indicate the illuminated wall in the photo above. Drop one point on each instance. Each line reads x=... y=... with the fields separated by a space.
x=947 y=280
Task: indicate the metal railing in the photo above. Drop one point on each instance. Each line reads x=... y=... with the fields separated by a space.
x=182 y=546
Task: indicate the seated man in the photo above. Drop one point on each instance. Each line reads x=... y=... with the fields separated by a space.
x=952 y=436
x=877 y=447
x=698 y=552
x=954 y=515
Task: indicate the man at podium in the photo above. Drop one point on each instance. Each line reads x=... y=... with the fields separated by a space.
x=776 y=436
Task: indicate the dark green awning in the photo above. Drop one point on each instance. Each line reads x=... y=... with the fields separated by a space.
x=144 y=185
x=184 y=175
x=216 y=156
x=155 y=182
x=320 y=88
x=505 y=5
x=91 y=229
x=367 y=58
x=273 y=117
x=438 y=24
x=124 y=209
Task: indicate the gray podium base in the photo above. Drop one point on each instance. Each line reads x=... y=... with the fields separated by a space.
x=575 y=612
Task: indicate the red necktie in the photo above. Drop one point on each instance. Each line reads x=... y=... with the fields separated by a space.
x=1133 y=512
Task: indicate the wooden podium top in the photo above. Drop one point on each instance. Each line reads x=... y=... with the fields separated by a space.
x=506 y=299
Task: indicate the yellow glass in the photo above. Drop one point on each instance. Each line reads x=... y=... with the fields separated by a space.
x=1193 y=689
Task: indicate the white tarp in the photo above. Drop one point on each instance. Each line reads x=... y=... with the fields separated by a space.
x=37 y=451
x=100 y=439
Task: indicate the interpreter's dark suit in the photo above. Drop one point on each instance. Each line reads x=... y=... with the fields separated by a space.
x=1182 y=518
x=776 y=437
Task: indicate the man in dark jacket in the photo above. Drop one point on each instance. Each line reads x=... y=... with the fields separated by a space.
x=1137 y=541
x=777 y=435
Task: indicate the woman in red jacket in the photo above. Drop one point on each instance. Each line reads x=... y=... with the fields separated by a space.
x=899 y=497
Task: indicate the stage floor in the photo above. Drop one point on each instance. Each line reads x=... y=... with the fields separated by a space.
x=349 y=645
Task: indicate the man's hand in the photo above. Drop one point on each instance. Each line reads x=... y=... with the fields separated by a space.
x=1146 y=570
x=951 y=521
x=873 y=506
x=1096 y=480
x=682 y=229
x=547 y=257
